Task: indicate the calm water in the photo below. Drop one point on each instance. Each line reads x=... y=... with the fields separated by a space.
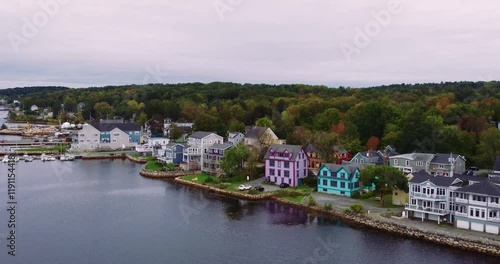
x=104 y=212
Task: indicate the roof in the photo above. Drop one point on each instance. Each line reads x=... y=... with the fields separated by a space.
x=122 y=126
x=256 y=132
x=414 y=156
x=350 y=168
x=234 y=134
x=201 y=134
x=221 y=146
x=422 y=176
x=311 y=149
x=496 y=165
x=294 y=149
x=465 y=177
x=339 y=149
x=485 y=187
x=171 y=144
x=443 y=158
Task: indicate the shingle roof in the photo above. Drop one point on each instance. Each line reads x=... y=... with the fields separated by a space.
x=256 y=132
x=442 y=158
x=311 y=149
x=415 y=156
x=294 y=149
x=465 y=177
x=200 y=134
x=486 y=187
x=339 y=149
x=351 y=168
x=423 y=176
x=122 y=126
x=221 y=146
x=496 y=165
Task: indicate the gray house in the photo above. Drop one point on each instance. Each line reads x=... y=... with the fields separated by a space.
x=435 y=164
x=379 y=157
x=413 y=162
x=445 y=164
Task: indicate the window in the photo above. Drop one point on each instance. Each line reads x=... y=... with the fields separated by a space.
x=342 y=185
x=287 y=164
x=362 y=161
x=279 y=173
x=271 y=172
x=116 y=134
x=355 y=160
x=420 y=163
x=289 y=181
x=271 y=163
x=287 y=174
x=325 y=182
x=494 y=200
x=356 y=185
x=342 y=192
x=305 y=163
x=442 y=206
x=325 y=173
x=413 y=201
x=441 y=191
x=479 y=198
x=441 y=166
x=342 y=175
x=333 y=183
x=279 y=164
x=493 y=214
x=95 y=135
x=407 y=163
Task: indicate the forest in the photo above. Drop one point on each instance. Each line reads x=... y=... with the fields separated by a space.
x=451 y=117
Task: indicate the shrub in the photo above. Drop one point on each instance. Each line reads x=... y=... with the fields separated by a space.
x=310 y=181
x=355 y=195
x=368 y=195
x=209 y=180
x=347 y=211
x=357 y=208
x=328 y=206
x=312 y=202
x=221 y=186
x=252 y=191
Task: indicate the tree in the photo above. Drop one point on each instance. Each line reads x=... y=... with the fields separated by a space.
x=489 y=146
x=372 y=143
x=175 y=132
x=264 y=122
x=69 y=104
x=142 y=119
x=385 y=178
x=103 y=110
x=326 y=120
x=234 y=159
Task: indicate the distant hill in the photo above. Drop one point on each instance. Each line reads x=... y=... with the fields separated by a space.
x=29 y=90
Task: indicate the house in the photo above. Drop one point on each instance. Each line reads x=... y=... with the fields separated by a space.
x=186 y=127
x=235 y=137
x=197 y=144
x=314 y=156
x=379 y=157
x=285 y=164
x=341 y=154
x=413 y=162
x=261 y=137
x=158 y=145
x=446 y=164
x=154 y=127
x=213 y=156
x=401 y=197
x=172 y=153
x=108 y=136
x=469 y=202
x=34 y=108
x=339 y=179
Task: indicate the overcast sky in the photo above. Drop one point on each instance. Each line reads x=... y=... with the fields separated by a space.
x=333 y=42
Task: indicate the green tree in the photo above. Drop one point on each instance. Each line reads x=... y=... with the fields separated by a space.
x=327 y=119
x=234 y=159
x=142 y=118
x=385 y=178
x=103 y=110
x=489 y=146
x=69 y=104
x=175 y=131
x=264 y=122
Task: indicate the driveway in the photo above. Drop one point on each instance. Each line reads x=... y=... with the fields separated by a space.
x=340 y=202
x=267 y=187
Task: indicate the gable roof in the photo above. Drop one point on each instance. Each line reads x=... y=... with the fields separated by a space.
x=442 y=158
x=414 y=156
x=311 y=149
x=350 y=168
x=486 y=187
x=201 y=134
x=340 y=149
x=256 y=132
x=422 y=176
x=106 y=127
x=294 y=149
x=496 y=165
x=221 y=146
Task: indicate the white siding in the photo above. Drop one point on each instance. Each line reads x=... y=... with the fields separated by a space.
x=492 y=229
x=477 y=227
x=463 y=224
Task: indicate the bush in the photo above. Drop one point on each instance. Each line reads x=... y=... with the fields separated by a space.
x=368 y=195
x=252 y=191
x=328 y=206
x=312 y=202
x=209 y=180
x=310 y=181
x=355 y=195
x=221 y=186
x=357 y=208
x=286 y=193
x=347 y=211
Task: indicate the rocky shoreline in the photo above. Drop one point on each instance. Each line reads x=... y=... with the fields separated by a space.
x=165 y=174
x=486 y=246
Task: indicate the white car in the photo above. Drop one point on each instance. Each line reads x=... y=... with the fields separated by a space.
x=244 y=187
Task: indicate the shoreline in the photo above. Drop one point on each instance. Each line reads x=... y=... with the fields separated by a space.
x=491 y=247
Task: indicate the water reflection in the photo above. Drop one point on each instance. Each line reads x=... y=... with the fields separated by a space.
x=285 y=215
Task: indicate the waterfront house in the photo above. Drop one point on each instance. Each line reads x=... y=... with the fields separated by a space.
x=412 y=162
x=379 y=157
x=108 y=136
x=261 y=137
x=213 y=155
x=185 y=127
x=434 y=164
x=197 y=144
x=339 y=179
x=235 y=138
x=314 y=156
x=285 y=164
x=172 y=153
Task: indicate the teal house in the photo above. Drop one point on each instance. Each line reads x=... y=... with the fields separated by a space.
x=339 y=179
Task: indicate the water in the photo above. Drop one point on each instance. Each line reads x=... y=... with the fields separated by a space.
x=104 y=212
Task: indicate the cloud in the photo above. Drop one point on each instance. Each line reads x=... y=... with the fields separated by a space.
x=282 y=41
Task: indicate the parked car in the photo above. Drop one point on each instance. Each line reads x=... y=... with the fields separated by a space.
x=258 y=188
x=284 y=185
x=473 y=168
x=244 y=187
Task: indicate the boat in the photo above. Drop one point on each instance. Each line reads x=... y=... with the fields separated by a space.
x=28 y=159
x=62 y=158
x=5 y=159
x=66 y=157
x=45 y=157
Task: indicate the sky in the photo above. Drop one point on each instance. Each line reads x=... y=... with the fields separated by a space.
x=356 y=43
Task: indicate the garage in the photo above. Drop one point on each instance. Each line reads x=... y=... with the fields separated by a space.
x=463 y=224
x=477 y=227
x=492 y=229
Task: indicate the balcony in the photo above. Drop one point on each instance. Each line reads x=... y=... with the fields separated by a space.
x=494 y=205
x=425 y=209
x=494 y=219
x=472 y=202
x=461 y=200
x=461 y=214
x=428 y=196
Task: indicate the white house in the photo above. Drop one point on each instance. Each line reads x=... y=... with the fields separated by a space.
x=235 y=137
x=108 y=136
x=197 y=145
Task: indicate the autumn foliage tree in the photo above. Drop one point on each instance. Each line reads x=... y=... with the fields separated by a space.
x=372 y=143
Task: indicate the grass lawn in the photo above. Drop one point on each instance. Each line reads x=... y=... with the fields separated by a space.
x=387 y=201
x=200 y=177
x=135 y=155
x=296 y=199
x=154 y=166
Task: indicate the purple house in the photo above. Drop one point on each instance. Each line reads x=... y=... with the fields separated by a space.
x=286 y=164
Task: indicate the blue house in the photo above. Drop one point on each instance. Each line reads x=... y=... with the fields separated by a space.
x=173 y=153
x=339 y=179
